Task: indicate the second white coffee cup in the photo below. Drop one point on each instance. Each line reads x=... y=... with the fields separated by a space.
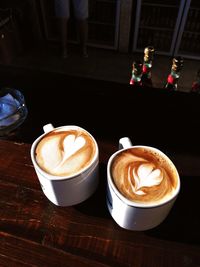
x=142 y=179
x=73 y=188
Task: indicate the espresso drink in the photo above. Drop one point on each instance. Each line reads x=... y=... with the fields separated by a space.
x=65 y=151
x=144 y=175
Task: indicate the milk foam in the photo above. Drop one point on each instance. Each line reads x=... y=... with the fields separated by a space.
x=65 y=153
x=143 y=176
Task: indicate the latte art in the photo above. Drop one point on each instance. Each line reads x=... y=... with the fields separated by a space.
x=65 y=152
x=143 y=176
x=146 y=175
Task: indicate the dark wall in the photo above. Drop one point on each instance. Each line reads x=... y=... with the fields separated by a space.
x=168 y=120
x=25 y=14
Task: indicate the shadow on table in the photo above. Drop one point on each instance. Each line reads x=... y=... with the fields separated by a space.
x=183 y=221
x=96 y=204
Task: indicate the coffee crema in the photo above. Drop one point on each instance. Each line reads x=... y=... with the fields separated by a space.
x=65 y=152
x=144 y=176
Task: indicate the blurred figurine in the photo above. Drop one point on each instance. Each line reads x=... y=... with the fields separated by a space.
x=62 y=11
x=196 y=84
x=136 y=75
x=173 y=77
x=147 y=66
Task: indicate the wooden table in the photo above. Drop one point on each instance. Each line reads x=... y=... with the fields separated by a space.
x=35 y=232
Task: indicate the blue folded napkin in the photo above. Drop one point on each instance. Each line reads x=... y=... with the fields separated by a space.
x=8 y=110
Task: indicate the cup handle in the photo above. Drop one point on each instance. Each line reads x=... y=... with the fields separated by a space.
x=48 y=127
x=124 y=142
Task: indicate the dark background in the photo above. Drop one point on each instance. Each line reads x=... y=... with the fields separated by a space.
x=151 y=116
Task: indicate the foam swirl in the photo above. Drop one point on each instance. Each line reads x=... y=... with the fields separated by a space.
x=143 y=176
x=65 y=153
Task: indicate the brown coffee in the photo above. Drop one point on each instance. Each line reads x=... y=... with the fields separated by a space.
x=65 y=151
x=144 y=175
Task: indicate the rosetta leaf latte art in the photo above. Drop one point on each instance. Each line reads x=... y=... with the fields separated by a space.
x=145 y=176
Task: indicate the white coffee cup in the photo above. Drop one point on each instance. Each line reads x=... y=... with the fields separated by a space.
x=144 y=212
x=75 y=186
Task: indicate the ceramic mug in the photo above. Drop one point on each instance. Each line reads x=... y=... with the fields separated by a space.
x=66 y=162
x=142 y=186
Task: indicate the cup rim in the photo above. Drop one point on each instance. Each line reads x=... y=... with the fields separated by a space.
x=138 y=204
x=51 y=177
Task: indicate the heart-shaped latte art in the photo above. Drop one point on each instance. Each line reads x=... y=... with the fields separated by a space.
x=71 y=145
x=65 y=152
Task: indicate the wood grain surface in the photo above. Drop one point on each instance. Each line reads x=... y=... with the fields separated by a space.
x=35 y=232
